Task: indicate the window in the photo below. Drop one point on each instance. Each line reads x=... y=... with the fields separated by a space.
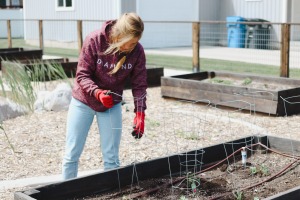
x=64 y=5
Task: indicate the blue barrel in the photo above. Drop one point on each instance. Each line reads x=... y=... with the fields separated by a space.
x=236 y=33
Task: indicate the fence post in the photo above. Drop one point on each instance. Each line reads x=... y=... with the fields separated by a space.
x=79 y=34
x=285 y=50
x=196 y=45
x=9 y=34
x=41 y=34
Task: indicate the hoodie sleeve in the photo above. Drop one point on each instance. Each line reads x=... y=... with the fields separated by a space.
x=87 y=65
x=139 y=82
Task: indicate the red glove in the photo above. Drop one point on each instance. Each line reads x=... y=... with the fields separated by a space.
x=138 y=125
x=104 y=97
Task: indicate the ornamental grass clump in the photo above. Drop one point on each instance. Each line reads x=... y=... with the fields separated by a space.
x=21 y=78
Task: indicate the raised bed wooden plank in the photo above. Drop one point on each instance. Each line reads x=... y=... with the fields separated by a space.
x=222 y=99
x=291 y=194
x=109 y=180
x=224 y=89
x=154 y=74
x=20 y=54
x=198 y=86
x=284 y=145
x=30 y=65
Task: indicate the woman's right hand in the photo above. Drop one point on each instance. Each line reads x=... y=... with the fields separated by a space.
x=104 y=97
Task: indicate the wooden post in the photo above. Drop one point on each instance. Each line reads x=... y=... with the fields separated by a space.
x=285 y=50
x=9 y=34
x=79 y=35
x=196 y=45
x=41 y=34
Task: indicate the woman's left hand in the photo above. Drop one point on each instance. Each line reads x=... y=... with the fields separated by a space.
x=138 y=125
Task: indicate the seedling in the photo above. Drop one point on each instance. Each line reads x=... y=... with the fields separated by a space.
x=264 y=170
x=238 y=195
x=192 y=181
x=221 y=81
x=253 y=170
x=247 y=81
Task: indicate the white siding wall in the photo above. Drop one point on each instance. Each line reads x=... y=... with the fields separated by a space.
x=164 y=34
x=265 y=9
x=156 y=34
x=295 y=17
x=128 y=6
x=17 y=28
x=66 y=31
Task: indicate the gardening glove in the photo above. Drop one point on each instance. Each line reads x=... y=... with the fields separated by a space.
x=138 y=125
x=104 y=97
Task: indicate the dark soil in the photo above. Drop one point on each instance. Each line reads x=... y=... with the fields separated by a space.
x=257 y=179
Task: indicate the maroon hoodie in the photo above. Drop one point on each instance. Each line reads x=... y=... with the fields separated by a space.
x=93 y=67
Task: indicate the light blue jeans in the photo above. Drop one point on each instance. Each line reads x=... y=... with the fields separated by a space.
x=79 y=121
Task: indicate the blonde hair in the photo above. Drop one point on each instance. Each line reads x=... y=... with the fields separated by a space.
x=127 y=27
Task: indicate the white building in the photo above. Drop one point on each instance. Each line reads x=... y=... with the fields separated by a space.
x=179 y=13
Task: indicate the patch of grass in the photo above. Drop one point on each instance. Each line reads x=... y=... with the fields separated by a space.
x=185 y=63
x=152 y=123
x=187 y=135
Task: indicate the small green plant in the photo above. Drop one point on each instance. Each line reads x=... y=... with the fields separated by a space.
x=247 y=81
x=264 y=170
x=192 y=182
x=221 y=81
x=238 y=195
x=253 y=170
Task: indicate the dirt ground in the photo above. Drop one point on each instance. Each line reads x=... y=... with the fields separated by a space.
x=172 y=126
x=259 y=178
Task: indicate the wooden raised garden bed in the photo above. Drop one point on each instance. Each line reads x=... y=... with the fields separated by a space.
x=271 y=95
x=19 y=54
x=175 y=168
x=154 y=74
x=41 y=66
